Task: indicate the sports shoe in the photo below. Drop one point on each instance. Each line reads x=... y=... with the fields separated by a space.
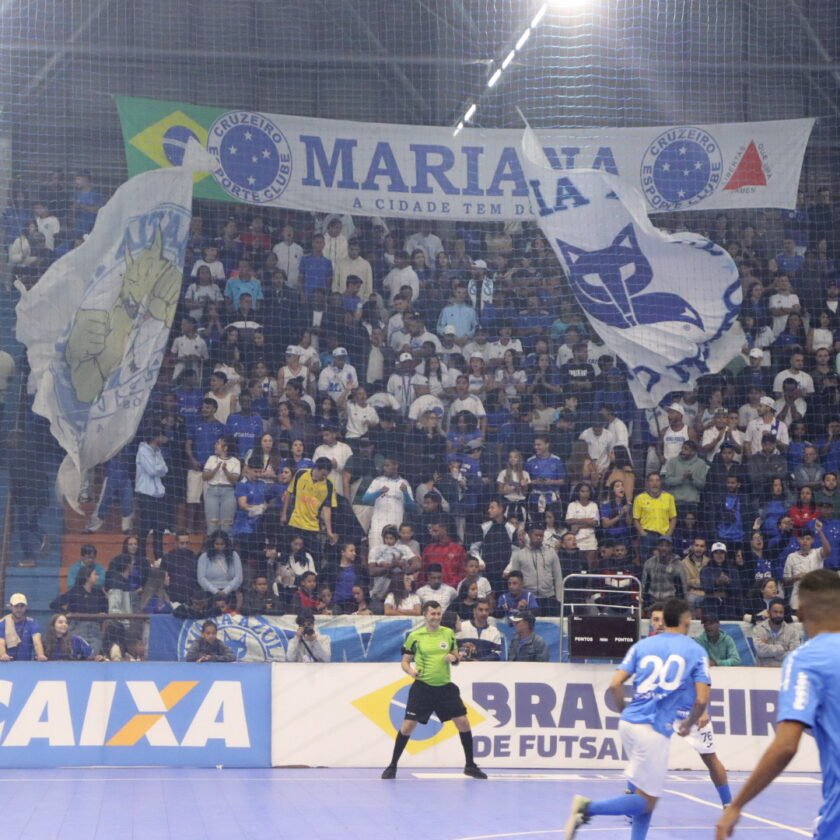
x=390 y=772
x=94 y=525
x=577 y=816
x=474 y=771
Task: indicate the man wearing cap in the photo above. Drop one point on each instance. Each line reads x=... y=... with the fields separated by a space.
x=719 y=580
x=480 y=287
x=448 y=345
x=86 y=561
x=764 y=466
x=766 y=424
x=654 y=515
x=405 y=384
x=390 y=496
x=526 y=646
x=722 y=430
x=338 y=378
x=755 y=374
x=675 y=434
x=717 y=643
x=20 y=637
x=663 y=576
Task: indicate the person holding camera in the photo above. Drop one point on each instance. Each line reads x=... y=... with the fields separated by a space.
x=307 y=645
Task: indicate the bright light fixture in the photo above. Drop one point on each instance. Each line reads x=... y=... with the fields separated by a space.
x=494 y=78
x=470 y=112
x=539 y=16
x=523 y=38
x=508 y=58
x=458 y=129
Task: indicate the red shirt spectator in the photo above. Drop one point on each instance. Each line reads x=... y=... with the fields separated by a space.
x=450 y=555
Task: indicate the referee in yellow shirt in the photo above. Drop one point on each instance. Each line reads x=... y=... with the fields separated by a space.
x=654 y=515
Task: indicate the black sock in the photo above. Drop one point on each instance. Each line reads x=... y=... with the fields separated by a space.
x=399 y=745
x=467 y=744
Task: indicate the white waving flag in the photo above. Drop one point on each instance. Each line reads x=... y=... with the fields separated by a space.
x=667 y=305
x=96 y=324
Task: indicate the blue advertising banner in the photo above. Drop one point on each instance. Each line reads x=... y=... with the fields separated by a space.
x=351 y=638
x=134 y=714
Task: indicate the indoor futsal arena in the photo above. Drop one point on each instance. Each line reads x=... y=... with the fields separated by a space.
x=420 y=417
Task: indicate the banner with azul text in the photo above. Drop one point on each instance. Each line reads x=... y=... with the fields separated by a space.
x=425 y=172
x=522 y=715
x=134 y=714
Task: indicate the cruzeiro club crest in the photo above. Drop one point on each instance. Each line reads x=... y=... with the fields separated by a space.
x=255 y=159
x=681 y=167
x=610 y=283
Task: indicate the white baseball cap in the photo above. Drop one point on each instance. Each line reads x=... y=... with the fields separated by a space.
x=718 y=546
x=769 y=402
x=18 y=598
x=293 y=350
x=756 y=353
x=479 y=264
x=339 y=351
x=676 y=407
x=406 y=357
x=449 y=329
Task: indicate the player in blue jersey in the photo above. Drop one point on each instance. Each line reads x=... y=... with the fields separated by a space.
x=670 y=672
x=809 y=699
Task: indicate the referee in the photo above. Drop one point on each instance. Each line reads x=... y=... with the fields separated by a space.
x=428 y=653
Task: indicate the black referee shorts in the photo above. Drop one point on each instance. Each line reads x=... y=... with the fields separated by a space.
x=444 y=700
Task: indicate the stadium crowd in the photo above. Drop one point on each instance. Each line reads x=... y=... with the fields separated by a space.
x=364 y=414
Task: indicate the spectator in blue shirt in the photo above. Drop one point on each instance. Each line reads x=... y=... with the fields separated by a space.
x=246 y=426
x=517 y=597
x=316 y=271
x=244 y=283
x=87 y=560
x=60 y=645
x=459 y=314
x=548 y=476
x=86 y=203
x=199 y=446
x=20 y=637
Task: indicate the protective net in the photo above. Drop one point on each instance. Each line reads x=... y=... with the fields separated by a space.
x=439 y=359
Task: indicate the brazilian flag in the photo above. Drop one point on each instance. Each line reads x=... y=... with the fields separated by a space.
x=155 y=134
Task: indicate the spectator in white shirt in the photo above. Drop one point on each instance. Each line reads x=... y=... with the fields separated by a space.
x=361 y=416
x=405 y=384
x=189 y=350
x=335 y=242
x=402 y=274
x=435 y=589
x=356 y=265
x=201 y=293
x=48 y=225
x=599 y=446
x=426 y=241
x=784 y=302
x=211 y=260
x=497 y=349
x=766 y=424
x=338 y=452
x=339 y=378
x=797 y=372
x=464 y=401
x=288 y=254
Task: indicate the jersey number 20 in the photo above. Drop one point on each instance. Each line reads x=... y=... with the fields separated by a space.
x=663 y=676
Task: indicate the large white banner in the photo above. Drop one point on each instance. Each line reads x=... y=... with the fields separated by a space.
x=96 y=324
x=666 y=304
x=426 y=171
x=523 y=715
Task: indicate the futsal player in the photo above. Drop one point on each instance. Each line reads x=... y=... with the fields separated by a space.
x=670 y=672
x=701 y=737
x=809 y=699
x=428 y=654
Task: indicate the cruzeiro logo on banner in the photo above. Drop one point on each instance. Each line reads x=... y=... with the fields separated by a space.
x=255 y=159
x=681 y=167
x=252 y=639
x=385 y=708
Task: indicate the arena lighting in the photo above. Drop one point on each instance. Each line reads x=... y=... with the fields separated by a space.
x=497 y=73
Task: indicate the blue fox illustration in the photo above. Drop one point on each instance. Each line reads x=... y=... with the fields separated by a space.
x=609 y=284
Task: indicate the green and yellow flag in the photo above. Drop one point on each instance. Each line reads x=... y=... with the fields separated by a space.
x=156 y=135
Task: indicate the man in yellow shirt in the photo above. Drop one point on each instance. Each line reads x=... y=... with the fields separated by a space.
x=654 y=515
x=311 y=498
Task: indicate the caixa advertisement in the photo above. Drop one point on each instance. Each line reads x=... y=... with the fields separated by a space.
x=131 y=714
